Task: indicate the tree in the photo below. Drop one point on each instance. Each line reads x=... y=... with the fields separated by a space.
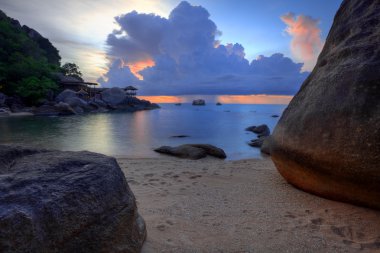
x=35 y=89
x=71 y=69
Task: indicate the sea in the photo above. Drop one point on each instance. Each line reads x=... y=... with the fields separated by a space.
x=136 y=134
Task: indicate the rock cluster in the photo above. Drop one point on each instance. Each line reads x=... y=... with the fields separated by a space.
x=327 y=141
x=54 y=201
x=69 y=102
x=263 y=140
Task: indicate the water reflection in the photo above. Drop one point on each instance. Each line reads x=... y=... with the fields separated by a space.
x=136 y=134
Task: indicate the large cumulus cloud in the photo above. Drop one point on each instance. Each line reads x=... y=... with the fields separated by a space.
x=188 y=58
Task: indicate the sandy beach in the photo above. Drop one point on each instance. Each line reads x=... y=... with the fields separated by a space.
x=213 y=205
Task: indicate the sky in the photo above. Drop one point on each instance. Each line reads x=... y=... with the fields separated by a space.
x=197 y=47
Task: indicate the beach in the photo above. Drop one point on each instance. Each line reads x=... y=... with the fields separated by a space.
x=213 y=205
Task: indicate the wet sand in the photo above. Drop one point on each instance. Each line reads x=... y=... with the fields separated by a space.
x=212 y=205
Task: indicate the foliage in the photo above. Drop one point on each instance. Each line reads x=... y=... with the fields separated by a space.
x=23 y=64
x=34 y=89
x=71 y=69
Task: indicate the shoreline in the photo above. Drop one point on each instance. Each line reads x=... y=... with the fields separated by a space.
x=213 y=205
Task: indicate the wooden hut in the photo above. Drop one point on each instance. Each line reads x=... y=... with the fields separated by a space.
x=77 y=85
x=130 y=91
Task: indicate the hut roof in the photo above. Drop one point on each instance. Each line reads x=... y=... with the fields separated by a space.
x=82 y=92
x=130 y=88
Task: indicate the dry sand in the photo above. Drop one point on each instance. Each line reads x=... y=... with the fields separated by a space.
x=212 y=205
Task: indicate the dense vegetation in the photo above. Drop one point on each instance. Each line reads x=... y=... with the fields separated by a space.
x=27 y=62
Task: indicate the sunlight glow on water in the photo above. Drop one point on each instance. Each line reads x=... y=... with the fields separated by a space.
x=137 y=134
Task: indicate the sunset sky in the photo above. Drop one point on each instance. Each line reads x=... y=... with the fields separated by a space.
x=199 y=47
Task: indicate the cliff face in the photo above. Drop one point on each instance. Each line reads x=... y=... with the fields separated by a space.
x=47 y=48
x=328 y=140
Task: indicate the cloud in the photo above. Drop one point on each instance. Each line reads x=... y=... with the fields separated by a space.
x=186 y=58
x=306 y=42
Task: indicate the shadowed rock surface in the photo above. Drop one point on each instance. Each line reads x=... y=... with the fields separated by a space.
x=261 y=130
x=192 y=151
x=54 y=201
x=327 y=141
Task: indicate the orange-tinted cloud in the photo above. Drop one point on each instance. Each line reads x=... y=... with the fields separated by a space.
x=136 y=67
x=254 y=99
x=306 y=43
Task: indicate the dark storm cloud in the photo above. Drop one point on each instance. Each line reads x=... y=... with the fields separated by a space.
x=189 y=59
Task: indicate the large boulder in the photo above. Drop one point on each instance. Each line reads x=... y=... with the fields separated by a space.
x=114 y=96
x=53 y=201
x=79 y=105
x=327 y=141
x=66 y=94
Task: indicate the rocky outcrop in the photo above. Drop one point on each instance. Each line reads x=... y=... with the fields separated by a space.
x=114 y=96
x=64 y=95
x=261 y=130
x=199 y=102
x=53 y=201
x=327 y=141
x=192 y=151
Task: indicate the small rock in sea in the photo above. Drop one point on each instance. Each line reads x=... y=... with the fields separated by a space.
x=178 y=104
x=192 y=151
x=261 y=130
x=199 y=102
x=275 y=116
x=180 y=136
x=257 y=142
x=218 y=103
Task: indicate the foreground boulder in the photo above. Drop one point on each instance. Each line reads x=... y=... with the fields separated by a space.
x=192 y=151
x=327 y=141
x=53 y=201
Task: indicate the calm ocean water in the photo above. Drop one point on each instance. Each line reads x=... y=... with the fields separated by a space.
x=136 y=134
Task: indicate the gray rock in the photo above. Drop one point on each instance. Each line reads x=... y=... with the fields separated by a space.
x=64 y=109
x=4 y=111
x=79 y=105
x=257 y=143
x=3 y=98
x=66 y=94
x=199 y=102
x=211 y=150
x=261 y=130
x=192 y=151
x=327 y=141
x=114 y=96
x=46 y=110
x=53 y=201
x=183 y=151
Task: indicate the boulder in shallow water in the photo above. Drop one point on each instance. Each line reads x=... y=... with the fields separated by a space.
x=327 y=141
x=261 y=130
x=183 y=151
x=54 y=201
x=192 y=151
x=211 y=150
